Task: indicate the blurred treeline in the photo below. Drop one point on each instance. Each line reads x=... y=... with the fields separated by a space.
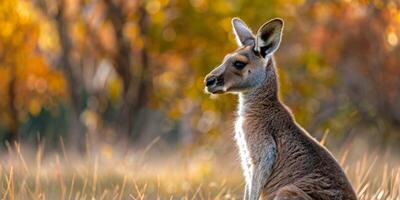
x=132 y=70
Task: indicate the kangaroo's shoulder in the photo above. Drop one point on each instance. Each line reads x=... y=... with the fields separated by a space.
x=301 y=140
x=304 y=161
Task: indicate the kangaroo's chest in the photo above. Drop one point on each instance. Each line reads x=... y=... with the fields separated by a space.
x=255 y=145
x=244 y=153
x=250 y=139
x=241 y=138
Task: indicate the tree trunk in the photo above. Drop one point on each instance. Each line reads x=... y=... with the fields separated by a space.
x=12 y=132
x=135 y=85
x=76 y=130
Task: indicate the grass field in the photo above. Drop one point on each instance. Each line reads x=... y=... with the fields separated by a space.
x=195 y=174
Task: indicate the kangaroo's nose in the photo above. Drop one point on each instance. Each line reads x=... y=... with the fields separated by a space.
x=211 y=81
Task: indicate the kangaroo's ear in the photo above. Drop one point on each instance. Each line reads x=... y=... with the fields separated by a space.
x=269 y=37
x=243 y=34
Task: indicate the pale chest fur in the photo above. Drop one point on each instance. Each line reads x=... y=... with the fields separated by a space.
x=254 y=148
x=243 y=148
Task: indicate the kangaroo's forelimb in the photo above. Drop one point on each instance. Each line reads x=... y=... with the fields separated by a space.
x=261 y=170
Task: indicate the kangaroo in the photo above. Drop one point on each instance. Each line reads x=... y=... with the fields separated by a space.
x=280 y=160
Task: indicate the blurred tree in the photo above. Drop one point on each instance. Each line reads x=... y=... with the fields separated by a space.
x=135 y=75
x=57 y=11
x=359 y=40
x=92 y=39
x=27 y=82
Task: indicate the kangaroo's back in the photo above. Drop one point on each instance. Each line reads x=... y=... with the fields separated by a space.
x=304 y=163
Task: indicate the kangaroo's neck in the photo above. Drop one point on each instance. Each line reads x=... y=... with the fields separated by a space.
x=263 y=98
x=262 y=106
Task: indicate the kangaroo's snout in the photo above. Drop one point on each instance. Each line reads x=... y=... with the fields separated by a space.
x=210 y=81
x=214 y=84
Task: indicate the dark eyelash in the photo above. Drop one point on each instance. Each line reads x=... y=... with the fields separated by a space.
x=239 y=65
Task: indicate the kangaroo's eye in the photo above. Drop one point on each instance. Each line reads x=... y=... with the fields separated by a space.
x=239 y=65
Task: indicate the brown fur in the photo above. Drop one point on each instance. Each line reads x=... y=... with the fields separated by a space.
x=280 y=159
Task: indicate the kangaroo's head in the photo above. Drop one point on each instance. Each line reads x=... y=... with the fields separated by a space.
x=246 y=67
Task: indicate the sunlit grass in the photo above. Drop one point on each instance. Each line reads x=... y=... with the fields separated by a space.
x=29 y=174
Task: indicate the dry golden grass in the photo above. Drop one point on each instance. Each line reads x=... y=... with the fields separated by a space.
x=200 y=174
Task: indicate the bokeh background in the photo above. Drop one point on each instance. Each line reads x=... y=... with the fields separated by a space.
x=130 y=71
x=109 y=75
